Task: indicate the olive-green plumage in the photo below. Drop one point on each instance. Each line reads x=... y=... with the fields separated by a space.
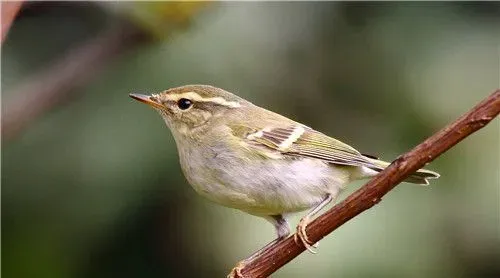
x=246 y=157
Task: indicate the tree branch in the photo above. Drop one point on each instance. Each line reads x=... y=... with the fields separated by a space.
x=51 y=87
x=56 y=84
x=370 y=194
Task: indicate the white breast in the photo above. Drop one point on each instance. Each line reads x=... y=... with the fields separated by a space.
x=261 y=187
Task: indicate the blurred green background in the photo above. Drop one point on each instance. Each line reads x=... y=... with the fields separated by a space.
x=92 y=187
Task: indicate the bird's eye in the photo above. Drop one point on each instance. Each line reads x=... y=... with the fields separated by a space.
x=184 y=103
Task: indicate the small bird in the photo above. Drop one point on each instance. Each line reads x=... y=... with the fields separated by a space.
x=245 y=157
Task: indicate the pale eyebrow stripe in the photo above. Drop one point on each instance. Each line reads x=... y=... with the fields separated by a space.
x=196 y=97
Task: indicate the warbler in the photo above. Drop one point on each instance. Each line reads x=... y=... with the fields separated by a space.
x=242 y=156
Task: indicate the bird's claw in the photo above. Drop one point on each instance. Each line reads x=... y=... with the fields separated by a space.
x=302 y=236
x=236 y=271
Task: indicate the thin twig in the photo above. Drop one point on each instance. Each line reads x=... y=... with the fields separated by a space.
x=370 y=194
x=45 y=90
x=55 y=84
x=9 y=12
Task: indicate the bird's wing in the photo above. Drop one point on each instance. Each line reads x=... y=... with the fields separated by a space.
x=302 y=141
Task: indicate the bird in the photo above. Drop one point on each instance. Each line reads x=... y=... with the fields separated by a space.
x=243 y=156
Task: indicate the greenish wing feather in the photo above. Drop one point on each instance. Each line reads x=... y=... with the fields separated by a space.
x=317 y=145
x=301 y=141
x=306 y=142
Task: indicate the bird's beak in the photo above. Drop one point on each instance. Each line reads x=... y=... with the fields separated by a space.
x=151 y=101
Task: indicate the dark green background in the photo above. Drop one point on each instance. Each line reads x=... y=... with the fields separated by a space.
x=94 y=188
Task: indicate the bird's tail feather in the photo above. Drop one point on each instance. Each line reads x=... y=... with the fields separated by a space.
x=421 y=176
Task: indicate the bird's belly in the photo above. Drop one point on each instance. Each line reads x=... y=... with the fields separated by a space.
x=266 y=187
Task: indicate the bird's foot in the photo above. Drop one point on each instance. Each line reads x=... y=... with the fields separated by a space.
x=236 y=271
x=302 y=235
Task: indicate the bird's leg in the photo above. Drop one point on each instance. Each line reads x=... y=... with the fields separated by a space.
x=301 y=228
x=282 y=230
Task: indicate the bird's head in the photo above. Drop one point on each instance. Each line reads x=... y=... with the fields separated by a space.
x=191 y=109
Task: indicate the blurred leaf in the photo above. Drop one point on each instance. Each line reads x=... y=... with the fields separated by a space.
x=159 y=18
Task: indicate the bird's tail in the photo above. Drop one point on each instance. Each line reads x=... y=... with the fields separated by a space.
x=421 y=176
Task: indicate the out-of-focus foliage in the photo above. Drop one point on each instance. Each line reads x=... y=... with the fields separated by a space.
x=94 y=189
x=158 y=18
